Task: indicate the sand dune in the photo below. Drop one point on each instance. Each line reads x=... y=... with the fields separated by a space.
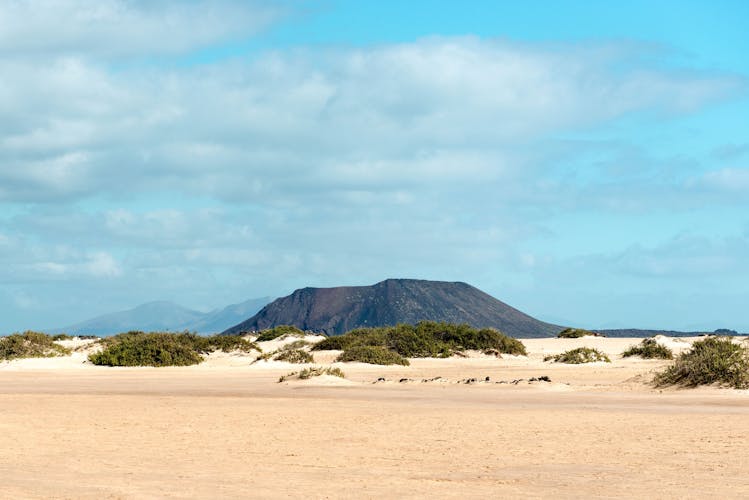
x=228 y=429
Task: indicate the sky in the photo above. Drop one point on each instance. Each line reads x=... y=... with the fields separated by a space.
x=585 y=162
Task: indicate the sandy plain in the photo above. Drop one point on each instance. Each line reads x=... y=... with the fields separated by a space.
x=228 y=429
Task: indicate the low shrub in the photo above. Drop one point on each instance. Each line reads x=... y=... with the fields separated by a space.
x=225 y=343
x=709 y=361
x=579 y=356
x=374 y=355
x=278 y=331
x=649 y=349
x=30 y=345
x=576 y=333
x=297 y=344
x=412 y=343
x=164 y=349
x=426 y=339
x=314 y=371
x=293 y=352
x=146 y=349
x=61 y=336
x=294 y=356
x=356 y=337
x=510 y=345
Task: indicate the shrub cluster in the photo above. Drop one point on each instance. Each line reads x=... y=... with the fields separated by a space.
x=293 y=352
x=709 y=361
x=427 y=339
x=576 y=333
x=649 y=349
x=30 y=345
x=294 y=356
x=374 y=355
x=164 y=349
x=147 y=349
x=314 y=371
x=278 y=331
x=579 y=356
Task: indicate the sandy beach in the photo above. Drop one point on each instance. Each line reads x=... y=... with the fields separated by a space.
x=228 y=429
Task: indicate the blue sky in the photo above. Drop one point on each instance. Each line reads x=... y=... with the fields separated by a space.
x=586 y=162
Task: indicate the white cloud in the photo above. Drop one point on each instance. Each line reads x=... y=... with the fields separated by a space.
x=291 y=123
x=126 y=28
x=103 y=265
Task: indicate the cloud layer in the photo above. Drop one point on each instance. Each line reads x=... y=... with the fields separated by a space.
x=446 y=157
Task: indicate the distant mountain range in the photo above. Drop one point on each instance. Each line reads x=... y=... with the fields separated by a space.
x=634 y=332
x=163 y=316
x=337 y=310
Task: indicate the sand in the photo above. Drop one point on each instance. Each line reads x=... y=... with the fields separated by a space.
x=227 y=429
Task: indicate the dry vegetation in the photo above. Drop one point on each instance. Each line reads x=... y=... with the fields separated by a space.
x=576 y=333
x=427 y=339
x=713 y=360
x=649 y=349
x=579 y=356
x=314 y=371
x=164 y=349
x=30 y=345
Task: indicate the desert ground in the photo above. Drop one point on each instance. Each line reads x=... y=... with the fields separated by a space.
x=228 y=429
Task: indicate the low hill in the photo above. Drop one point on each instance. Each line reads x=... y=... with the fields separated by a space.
x=337 y=310
x=641 y=333
x=165 y=316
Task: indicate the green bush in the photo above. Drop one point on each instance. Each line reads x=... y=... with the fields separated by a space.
x=576 y=333
x=294 y=356
x=509 y=345
x=132 y=334
x=649 y=349
x=146 y=349
x=356 y=337
x=164 y=349
x=579 y=356
x=374 y=355
x=278 y=331
x=62 y=336
x=426 y=339
x=337 y=343
x=412 y=343
x=709 y=361
x=30 y=345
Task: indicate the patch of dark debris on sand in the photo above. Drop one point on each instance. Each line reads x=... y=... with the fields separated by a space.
x=467 y=381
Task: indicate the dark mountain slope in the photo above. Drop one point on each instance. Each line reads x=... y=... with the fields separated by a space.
x=337 y=310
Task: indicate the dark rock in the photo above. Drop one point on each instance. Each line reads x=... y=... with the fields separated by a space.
x=334 y=311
